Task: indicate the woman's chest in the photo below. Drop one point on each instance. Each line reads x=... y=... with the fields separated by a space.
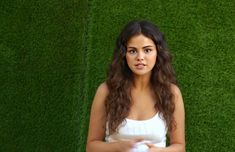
x=151 y=130
x=142 y=108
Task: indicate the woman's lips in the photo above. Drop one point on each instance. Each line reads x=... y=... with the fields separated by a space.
x=140 y=66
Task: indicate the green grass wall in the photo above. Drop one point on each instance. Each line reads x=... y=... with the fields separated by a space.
x=42 y=58
x=54 y=54
x=201 y=36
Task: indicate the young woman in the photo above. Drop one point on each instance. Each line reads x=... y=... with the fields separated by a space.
x=139 y=104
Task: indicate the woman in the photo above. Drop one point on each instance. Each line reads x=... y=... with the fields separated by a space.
x=139 y=104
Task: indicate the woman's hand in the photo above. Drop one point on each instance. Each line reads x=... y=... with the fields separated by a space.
x=153 y=148
x=127 y=145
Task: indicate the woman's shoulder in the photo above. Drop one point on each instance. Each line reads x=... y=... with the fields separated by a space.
x=100 y=96
x=175 y=89
x=176 y=94
x=103 y=89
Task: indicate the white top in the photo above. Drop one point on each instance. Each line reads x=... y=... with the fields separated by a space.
x=153 y=131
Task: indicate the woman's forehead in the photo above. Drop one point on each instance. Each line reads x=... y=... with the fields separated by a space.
x=140 y=40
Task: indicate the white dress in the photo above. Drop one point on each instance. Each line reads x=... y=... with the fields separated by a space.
x=153 y=131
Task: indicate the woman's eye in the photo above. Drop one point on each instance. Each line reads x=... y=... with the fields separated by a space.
x=147 y=50
x=132 y=51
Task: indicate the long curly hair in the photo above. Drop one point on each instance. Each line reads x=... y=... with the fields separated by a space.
x=120 y=77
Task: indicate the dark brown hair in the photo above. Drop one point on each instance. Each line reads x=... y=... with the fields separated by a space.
x=120 y=77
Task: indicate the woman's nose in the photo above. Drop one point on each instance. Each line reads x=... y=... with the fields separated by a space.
x=140 y=56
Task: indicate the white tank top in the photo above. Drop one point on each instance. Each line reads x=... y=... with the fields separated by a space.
x=153 y=131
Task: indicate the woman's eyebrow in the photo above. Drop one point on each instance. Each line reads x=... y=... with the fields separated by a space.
x=147 y=46
x=131 y=47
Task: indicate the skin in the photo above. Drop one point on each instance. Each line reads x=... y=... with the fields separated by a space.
x=140 y=49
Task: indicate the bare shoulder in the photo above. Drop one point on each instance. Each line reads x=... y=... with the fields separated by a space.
x=98 y=114
x=101 y=93
x=177 y=135
x=175 y=89
x=176 y=94
x=98 y=105
x=103 y=89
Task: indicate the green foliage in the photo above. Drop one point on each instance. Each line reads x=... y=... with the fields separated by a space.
x=54 y=54
x=42 y=56
x=201 y=37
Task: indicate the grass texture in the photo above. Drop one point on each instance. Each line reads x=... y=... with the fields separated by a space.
x=42 y=48
x=201 y=36
x=54 y=54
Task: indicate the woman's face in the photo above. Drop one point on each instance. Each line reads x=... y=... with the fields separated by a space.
x=141 y=55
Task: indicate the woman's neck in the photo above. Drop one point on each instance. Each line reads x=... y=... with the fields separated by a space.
x=141 y=82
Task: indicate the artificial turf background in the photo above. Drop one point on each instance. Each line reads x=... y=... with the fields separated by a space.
x=54 y=54
x=42 y=46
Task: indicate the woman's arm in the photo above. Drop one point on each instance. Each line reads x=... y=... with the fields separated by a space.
x=177 y=136
x=96 y=132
